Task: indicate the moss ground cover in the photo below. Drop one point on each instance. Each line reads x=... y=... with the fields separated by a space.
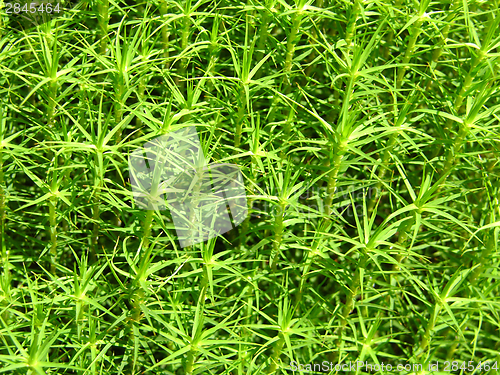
x=367 y=134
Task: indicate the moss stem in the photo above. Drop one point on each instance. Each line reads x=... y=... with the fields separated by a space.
x=436 y=54
x=186 y=24
x=98 y=183
x=277 y=348
x=191 y=357
x=351 y=25
x=350 y=300
x=146 y=233
x=333 y=178
x=278 y=234
x=165 y=33
x=292 y=39
x=103 y=20
x=261 y=43
x=410 y=51
x=53 y=233
x=241 y=115
x=383 y=168
x=3 y=246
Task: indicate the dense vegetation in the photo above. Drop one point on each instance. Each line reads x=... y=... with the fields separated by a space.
x=367 y=132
